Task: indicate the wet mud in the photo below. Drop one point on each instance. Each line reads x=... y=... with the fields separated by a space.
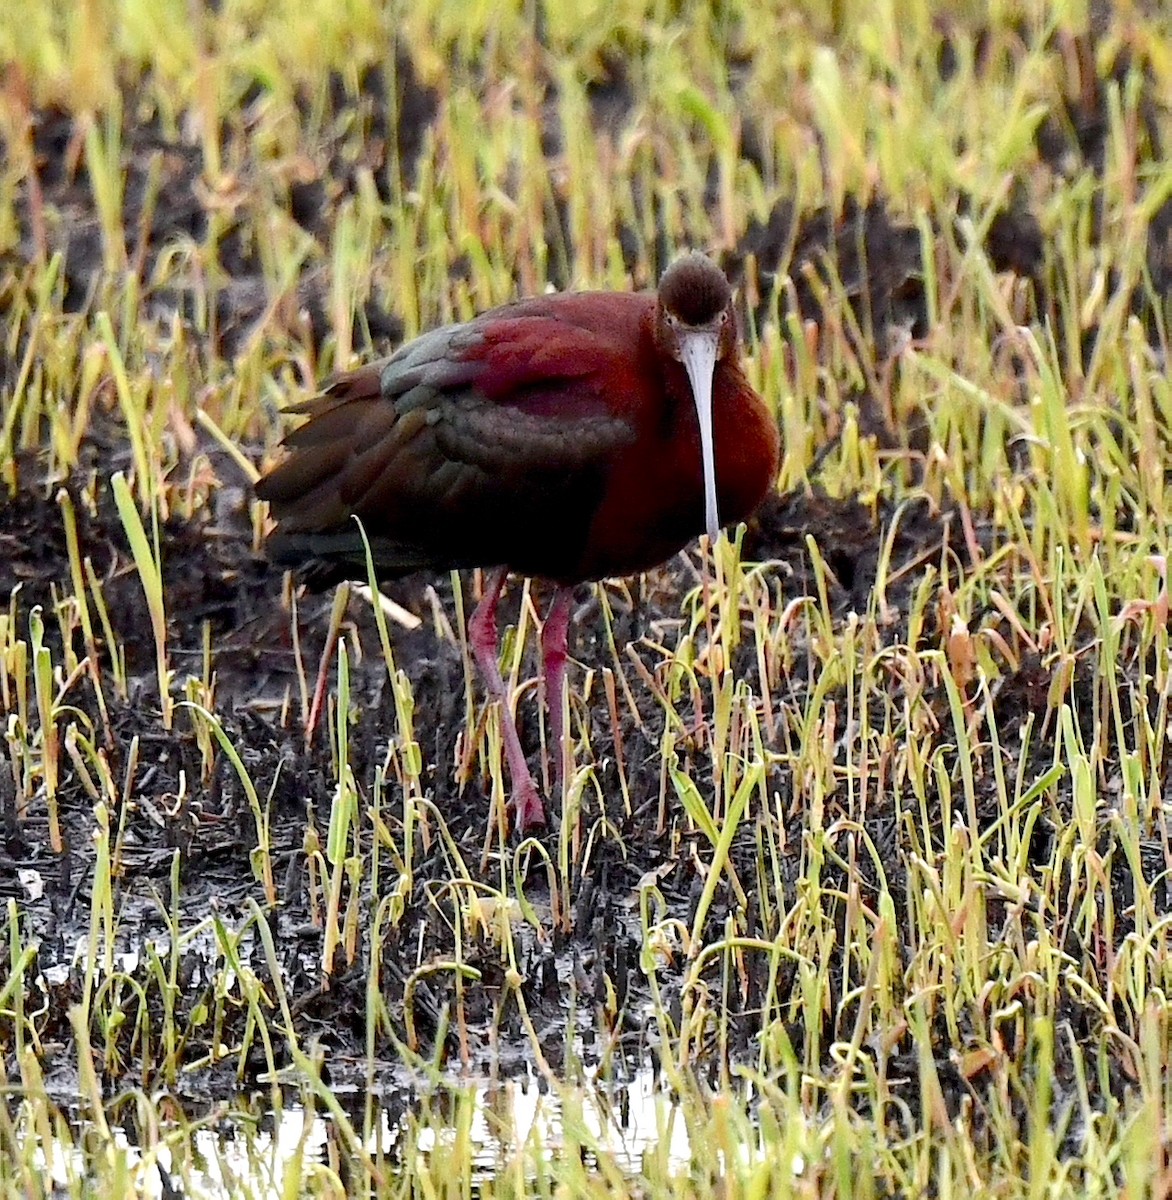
x=183 y=820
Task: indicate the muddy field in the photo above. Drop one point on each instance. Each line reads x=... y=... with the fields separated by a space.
x=220 y=592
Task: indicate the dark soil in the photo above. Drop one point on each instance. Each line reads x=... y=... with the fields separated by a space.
x=215 y=581
x=213 y=576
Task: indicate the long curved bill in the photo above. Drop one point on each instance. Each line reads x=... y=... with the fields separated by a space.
x=698 y=354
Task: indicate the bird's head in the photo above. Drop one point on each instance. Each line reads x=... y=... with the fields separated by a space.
x=695 y=324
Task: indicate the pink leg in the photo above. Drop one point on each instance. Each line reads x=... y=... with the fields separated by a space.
x=341 y=597
x=554 y=636
x=526 y=803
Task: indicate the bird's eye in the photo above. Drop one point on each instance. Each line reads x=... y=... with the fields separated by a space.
x=724 y=317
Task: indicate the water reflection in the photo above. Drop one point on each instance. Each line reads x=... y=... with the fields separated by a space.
x=253 y=1149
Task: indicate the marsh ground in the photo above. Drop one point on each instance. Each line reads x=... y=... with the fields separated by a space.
x=865 y=858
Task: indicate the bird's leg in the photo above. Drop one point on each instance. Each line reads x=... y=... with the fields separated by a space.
x=482 y=634
x=337 y=612
x=554 y=637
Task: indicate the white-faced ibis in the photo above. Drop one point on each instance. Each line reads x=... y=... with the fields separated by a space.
x=570 y=437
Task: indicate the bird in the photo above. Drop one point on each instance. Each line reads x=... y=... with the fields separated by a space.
x=570 y=437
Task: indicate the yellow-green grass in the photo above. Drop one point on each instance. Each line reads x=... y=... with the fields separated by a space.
x=978 y=1004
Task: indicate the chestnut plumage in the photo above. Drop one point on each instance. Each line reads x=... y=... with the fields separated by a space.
x=569 y=437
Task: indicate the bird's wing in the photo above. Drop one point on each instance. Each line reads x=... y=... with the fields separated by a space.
x=464 y=432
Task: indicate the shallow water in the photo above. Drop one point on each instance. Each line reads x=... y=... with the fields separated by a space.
x=493 y=1126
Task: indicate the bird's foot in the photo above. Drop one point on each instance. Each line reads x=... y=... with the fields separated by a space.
x=526 y=808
